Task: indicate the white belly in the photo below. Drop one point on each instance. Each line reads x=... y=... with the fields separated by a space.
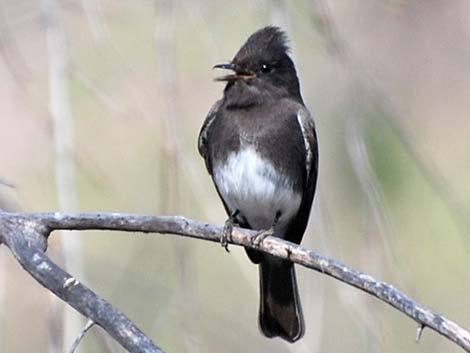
x=253 y=186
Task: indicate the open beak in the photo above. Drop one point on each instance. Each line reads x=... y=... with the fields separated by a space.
x=238 y=75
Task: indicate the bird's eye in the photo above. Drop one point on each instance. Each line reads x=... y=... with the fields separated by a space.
x=265 y=68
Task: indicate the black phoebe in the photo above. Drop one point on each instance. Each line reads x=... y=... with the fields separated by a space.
x=260 y=147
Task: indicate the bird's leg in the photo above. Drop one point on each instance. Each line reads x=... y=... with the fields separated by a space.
x=228 y=228
x=258 y=238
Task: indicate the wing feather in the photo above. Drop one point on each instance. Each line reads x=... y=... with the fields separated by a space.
x=298 y=225
x=307 y=126
x=203 y=134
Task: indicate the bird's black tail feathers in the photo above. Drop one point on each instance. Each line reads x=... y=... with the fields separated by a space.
x=280 y=312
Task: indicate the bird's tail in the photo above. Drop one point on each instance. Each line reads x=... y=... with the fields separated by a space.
x=280 y=312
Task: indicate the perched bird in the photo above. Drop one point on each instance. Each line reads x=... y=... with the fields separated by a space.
x=260 y=147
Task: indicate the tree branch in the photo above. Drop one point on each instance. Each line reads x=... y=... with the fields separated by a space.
x=26 y=237
x=89 y=324
x=17 y=230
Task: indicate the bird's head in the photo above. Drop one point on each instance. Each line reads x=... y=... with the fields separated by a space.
x=262 y=70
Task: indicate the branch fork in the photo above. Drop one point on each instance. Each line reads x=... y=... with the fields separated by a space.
x=25 y=234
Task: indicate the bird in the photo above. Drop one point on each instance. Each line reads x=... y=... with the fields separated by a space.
x=260 y=147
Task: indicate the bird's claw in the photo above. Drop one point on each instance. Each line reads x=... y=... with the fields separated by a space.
x=227 y=234
x=228 y=229
x=258 y=238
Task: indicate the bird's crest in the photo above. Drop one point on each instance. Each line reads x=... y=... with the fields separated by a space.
x=269 y=40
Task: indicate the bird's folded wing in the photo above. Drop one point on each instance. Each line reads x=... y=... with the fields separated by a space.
x=203 y=134
x=307 y=126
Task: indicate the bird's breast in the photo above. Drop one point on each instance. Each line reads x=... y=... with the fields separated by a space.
x=252 y=185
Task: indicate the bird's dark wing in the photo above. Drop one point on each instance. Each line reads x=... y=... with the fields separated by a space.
x=203 y=134
x=203 y=147
x=297 y=226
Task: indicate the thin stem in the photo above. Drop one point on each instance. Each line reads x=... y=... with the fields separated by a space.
x=19 y=230
x=89 y=324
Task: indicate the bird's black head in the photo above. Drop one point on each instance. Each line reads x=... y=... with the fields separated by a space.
x=263 y=71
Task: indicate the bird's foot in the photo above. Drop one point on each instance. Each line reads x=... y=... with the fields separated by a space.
x=258 y=238
x=227 y=234
x=228 y=229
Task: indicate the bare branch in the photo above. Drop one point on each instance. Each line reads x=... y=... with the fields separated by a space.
x=62 y=117
x=18 y=229
x=89 y=324
x=25 y=236
x=419 y=332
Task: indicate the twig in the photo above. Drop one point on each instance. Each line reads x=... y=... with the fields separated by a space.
x=419 y=332
x=89 y=324
x=25 y=235
x=64 y=148
x=18 y=230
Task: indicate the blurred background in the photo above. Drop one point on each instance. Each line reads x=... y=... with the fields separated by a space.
x=100 y=107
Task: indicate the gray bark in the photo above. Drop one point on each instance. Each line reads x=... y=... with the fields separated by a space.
x=26 y=236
